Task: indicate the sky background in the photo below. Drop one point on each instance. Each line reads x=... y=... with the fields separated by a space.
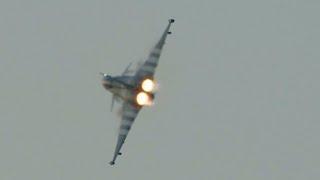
x=239 y=90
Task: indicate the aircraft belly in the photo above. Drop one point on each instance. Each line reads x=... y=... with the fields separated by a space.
x=124 y=94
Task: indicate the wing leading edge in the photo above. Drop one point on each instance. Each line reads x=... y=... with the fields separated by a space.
x=129 y=114
x=148 y=67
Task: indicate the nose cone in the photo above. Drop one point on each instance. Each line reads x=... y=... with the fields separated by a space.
x=106 y=81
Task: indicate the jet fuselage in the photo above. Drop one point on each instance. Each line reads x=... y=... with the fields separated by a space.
x=120 y=86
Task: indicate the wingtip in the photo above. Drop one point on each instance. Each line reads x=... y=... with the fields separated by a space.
x=111 y=163
x=171 y=20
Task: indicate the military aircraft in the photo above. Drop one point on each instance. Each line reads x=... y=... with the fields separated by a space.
x=135 y=91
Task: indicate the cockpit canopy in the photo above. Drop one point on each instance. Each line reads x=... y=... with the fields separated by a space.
x=107 y=77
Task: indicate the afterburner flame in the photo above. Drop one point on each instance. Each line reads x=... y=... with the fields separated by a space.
x=143 y=99
x=148 y=85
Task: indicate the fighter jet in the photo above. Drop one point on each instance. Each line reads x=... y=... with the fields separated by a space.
x=134 y=91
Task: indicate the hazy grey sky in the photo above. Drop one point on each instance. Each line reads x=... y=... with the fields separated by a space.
x=239 y=96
